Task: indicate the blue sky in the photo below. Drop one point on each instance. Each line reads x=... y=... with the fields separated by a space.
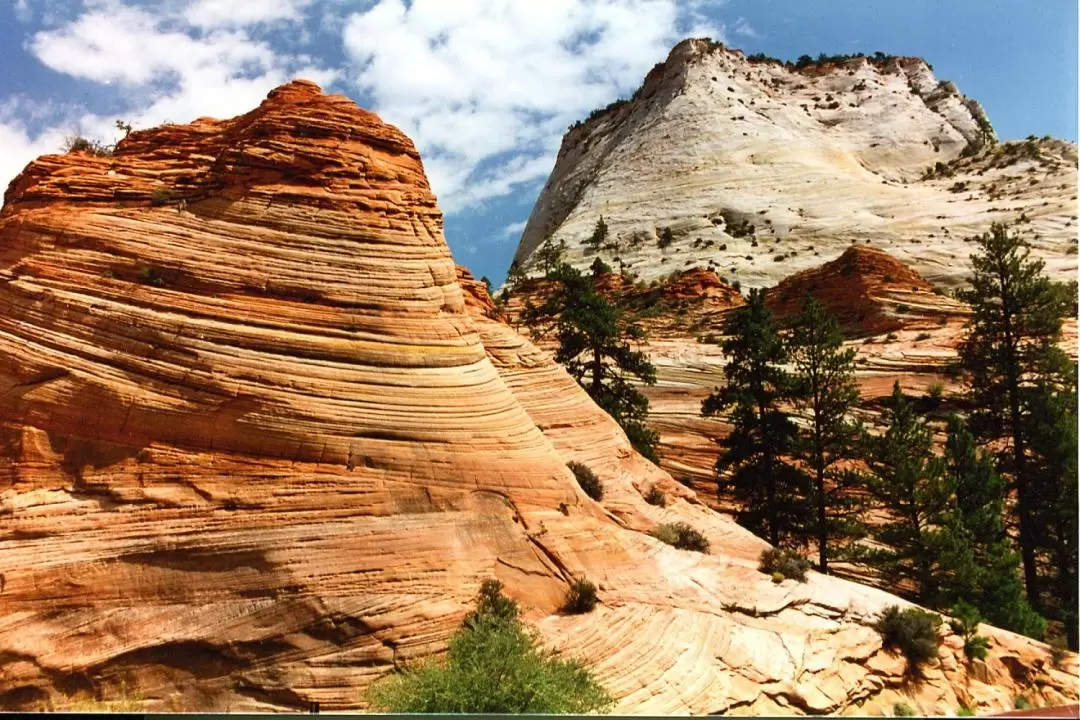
x=484 y=87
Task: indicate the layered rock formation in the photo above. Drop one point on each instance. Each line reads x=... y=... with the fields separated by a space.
x=869 y=292
x=259 y=447
x=759 y=170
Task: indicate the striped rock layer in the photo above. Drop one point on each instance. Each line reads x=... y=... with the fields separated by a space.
x=257 y=448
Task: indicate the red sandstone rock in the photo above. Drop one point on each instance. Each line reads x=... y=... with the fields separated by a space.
x=869 y=291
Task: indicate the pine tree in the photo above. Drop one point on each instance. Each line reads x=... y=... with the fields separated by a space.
x=1010 y=348
x=977 y=563
x=1054 y=490
x=599 y=235
x=911 y=485
x=825 y=394
x=595 y=337
x=772 y=493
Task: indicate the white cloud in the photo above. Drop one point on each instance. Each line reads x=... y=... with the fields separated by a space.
x=745 y=29
x=486 y=88
x=514 y=229
x=175 y=63
x=229 y=13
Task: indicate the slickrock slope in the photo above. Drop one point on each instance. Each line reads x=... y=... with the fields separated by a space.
x=258 y=447
x=759 y=171
x=869 y=292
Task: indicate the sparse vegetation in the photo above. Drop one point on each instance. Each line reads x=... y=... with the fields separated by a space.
x=656 y=497
x=494 y=664
x=902 y=709
x=587 y=479
x=965 y=623
x=160 y=196
x=912 y=631
x=786 y=563
x=78 y=143
x=681 y=536
x=581 y=598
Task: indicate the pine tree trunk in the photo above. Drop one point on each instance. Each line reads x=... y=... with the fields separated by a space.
x=823 y=534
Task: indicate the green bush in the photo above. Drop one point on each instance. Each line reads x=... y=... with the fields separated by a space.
x=1021 y=703
x=78 y=143
x=587 y=480
x=160 y=196
x=655 y=497
x=682 y=536
x=964 y=711
x=913 y=632
x=778 y=577
x=581 y=598
x=785 y=562
x=1058 y=652
x=903 y=710
x=965 y=623
x=494 y=665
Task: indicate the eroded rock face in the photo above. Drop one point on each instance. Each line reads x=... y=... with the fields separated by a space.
x=869 y=292
x=259 y=446
x=759 y=171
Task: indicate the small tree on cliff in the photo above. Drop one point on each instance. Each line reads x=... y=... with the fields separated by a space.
x=594 y=337
x=1013 y=365
x=825 y=394
x=773 y=494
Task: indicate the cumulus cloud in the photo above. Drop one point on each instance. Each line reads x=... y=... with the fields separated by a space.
x=745 y=29
x=486 y=88
x=174 y=61
x=514 y=229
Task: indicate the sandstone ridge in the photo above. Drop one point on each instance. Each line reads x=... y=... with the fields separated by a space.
x=759 y=170
x=259 y=448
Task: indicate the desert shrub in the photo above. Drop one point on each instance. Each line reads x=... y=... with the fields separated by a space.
x=778 y=577
x=913 y=632
x=1021 y=703
x=655 y=497
x=151 y=276
x=599 y=267
x=686 y=481
x=160 y=196
x=581 y=597
x=666 y=238
x=786 y=562
x=922 y=336
x=77 y=143
x=1058 y=652
x=965 y=623
x=891 y=337
x=903 y=710
x=964 y=711
x=493 y=665
x=587 y=480
x=681 y=536
x=934 y=394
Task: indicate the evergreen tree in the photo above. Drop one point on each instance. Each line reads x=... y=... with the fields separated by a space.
x=976 y=563
x=1054 y=490
x=825 y=394
x=599 y=235
x=594 y=337
x=550 y=255
x=772 y=493
x=911 y=485
x=1011 y=348
x=515 y=275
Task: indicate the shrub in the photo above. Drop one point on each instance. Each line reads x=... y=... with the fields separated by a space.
x=891 y=337
x=666 y=238
x=581 y=598
x=681 y=536
x=77 y=143
x=587 y=480
x=964 y=711
x=934 y=393
x=965 y=623
x=785 y=562
x=778 y=577
x=160 y=196
x=655 y=497
x=493 y=665
x=1058 y=652
x=1021 y=703
x=922 y=336
x=599 y=267
x=913 y=632
x=903 y=710
x=686 y=481
x=151 y=276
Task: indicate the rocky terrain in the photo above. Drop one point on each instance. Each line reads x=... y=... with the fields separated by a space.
x=758 y=170
x=261 y=443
